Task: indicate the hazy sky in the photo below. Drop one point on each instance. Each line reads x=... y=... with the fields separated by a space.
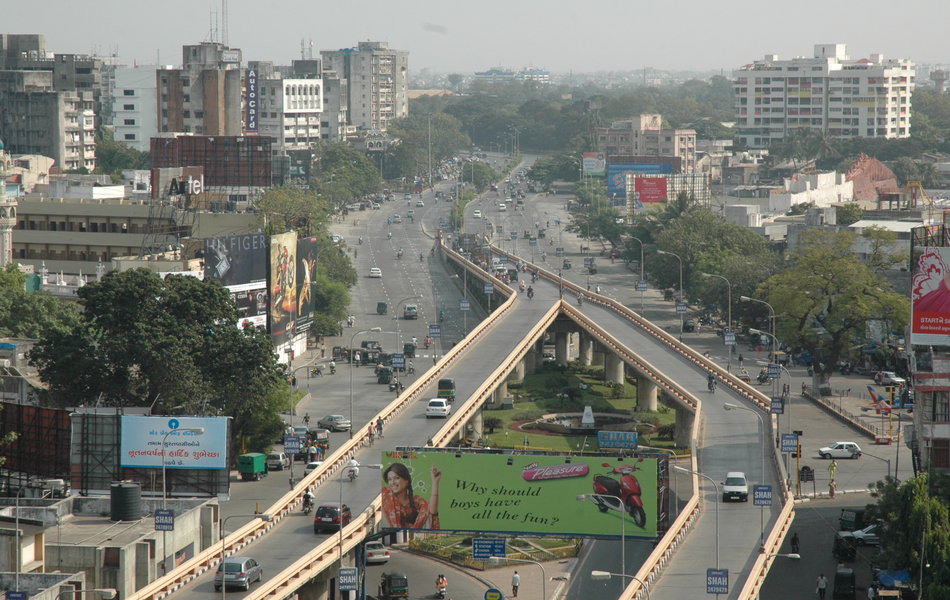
x=465 y=36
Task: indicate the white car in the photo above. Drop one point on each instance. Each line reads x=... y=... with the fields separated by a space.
x=376 y=273
x=312 y=466
x=420 y=203
x=840 y=450
x=889 y=378
x=438 y=407
x=502 y=207
x=376 y=553
x=735 y=487
x=477 y=214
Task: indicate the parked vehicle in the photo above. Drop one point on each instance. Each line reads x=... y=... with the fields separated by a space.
x=330 y=517
x=844 y=583
x=277 y=461
x=840 y=450
x=334 y=423
x=238 y=571
x=889 y=378
x=252 y=466
x=869 y=536
x=735 y=487
x=851 y=519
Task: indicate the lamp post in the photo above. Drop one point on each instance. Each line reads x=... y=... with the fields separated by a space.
x=887 y=460
x=344 y=474
x=495 y=560
x=728 y=314
x=262 y=517
x=107 y=593
x=641 y=271
x=623 y=536
x=19 y=560
x=771 y=319
x=681 y=298
x=352 y=341
x=193 y=430
x=604 y=575
x=765 y=438
x=464 y=297
x=716 y=485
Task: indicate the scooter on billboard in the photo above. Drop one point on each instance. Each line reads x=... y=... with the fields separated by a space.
x=623 y=485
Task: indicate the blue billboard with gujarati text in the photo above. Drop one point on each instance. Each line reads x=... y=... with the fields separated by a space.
x=144 y=441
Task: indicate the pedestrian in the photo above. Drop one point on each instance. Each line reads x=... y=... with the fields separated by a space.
x=515 y=582
x=740 y=359
x=306 y=419
x=833 y=469
x=379 y=427
x=795 y=543
x=872 y=591
x=372 y=432
x=821 y=584
x=832 y=487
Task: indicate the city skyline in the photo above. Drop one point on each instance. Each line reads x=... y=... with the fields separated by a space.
x=464 y=38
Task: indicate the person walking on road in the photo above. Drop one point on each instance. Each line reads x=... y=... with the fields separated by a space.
x=795 y=543
x=379 y=427
x=821 y=584
x=833 y=469
x=516 y=581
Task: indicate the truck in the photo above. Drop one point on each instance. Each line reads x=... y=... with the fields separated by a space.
x=252 y=466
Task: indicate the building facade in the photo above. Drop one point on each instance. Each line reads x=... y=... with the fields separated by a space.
x=377 y=78
x=829 y=92
x=289 y=107
x=645 y=136
x=134 y=106
x=204 y=96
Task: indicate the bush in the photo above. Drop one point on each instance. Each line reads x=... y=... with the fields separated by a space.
x=492 y=423
x=665 y=432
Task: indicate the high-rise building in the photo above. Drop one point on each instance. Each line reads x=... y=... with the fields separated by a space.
x=377 y=90
x=644 y=136
x=204 y=96
x=289 y=106
x=134 y=106
x=829 y=92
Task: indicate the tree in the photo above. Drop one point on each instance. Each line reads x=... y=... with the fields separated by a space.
x=170 y=343
x=881 y=254
x=25 y=314
x=112 y=157
x=560 y=167
x=848 y=213
x=479 y=173
x=410 y=157
x=827 y=298
x=289 y=208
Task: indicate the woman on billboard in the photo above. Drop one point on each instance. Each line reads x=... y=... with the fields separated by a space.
x=401 y=507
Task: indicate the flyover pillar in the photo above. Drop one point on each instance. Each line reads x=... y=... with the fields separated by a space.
x=684 y=425
x=560 y=348
x=500 y=392
x=587 y=350
x=531 y=361
x=613 y=368
x=473 y=429
x=646 y=393
x=517 y=374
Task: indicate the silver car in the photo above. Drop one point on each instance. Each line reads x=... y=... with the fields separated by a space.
x=334 y=423
x=239 y=571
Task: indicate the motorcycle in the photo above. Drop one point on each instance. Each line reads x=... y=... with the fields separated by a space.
x=440 y=591
x=521 y=286
x=352 y=473
x=580 y=301
x=627 y=490
x=530 y=293
x=332 y=369
x=307 y=507
x=316 y=372
x=427 y=342
x=711 y=385
x=763 y=376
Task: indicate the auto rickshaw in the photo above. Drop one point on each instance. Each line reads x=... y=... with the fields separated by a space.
x=381 y=308
x=566 y=264
x=844 y=548
x=409 y=349
x=384 y=375
x=844 y=583
x=321 y=439
x=393 y=585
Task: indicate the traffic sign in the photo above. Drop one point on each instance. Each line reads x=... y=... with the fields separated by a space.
x=642 y=285
x=762 y=495
x=773 y=371
x=681 y=308
x=164 y=520
x=559 y=252
x=789 y=442
x=22 y=596
x=485 y=548
x=489 y=288
x=617 y=439
x=291 y=444
x=464 y=304
x=588 y=261
x=499 y=228
x=730 y=338
x=435 y=331
x=349 y=579
x=717 y=581
x=514 y=235
x=399 y=361
x=490 y=594
x=778 y=405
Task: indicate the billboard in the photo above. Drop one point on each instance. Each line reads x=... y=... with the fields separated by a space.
x=930 y=297
x=141 y=442
x=251 y=302
x=283 y=286
x=236 y=259
x=594 y=163
x=306 y=277
x=650 y=189
x=617 y=174
x=531 y=494
x=251 y=102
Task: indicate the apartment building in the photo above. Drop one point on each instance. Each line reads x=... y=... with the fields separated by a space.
x=829 y=92
x=134 y=106
x=377 y=90
x=289 y=107
x=644 y=136
x=205 y=96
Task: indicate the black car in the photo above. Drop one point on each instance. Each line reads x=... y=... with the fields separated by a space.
x=330 y=517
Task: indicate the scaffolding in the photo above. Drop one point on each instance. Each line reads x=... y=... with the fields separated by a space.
x=41 y=448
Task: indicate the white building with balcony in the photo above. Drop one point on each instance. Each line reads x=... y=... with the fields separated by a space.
x=290 y=111
x=135 y=106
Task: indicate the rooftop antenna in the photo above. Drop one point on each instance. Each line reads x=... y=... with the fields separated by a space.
x=224 y=22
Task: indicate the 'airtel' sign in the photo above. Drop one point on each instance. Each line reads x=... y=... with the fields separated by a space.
x=187 y=187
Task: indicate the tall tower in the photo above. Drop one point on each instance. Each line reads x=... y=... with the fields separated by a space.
x=7 y=214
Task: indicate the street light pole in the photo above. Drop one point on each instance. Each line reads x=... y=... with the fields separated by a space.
x=716 y=485
x=262 y=517
x=728 y=314
x=352 y=341
x=771 y=318
x=641 y=271
x=196 y=431
x=765 y=438
x=681 y=297
x=544 y=577
x=600 y=575
x=623 y=534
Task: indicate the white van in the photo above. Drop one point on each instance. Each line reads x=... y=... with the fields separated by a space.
x=502 y=207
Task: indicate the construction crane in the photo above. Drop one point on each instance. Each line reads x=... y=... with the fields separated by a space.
x=915 y=194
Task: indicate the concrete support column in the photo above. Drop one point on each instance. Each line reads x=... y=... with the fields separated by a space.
x=613 y=368
x=560 y=348
x=502 y=390
x=684 y=425
x=531 y=362
x=517 y=374
x=587 y=350
x=646 y=393
x=473 y=428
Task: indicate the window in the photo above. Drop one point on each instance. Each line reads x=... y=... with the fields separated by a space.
x=128 y=92
x=940 y=453
x=130 y=136
x=941 y=405
x=128 y=107
x=129 y=121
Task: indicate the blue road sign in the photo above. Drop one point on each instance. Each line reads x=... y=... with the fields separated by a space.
x=778 y=405
x=617 y=439
x=164 y=520
x=464 y=304
x=489 y=288
x=559 y=252
x=22 y=596
x=435 y=331
x=499 y=228
x=789 y=442
x=349 y=579
x=762 y=495
x=484 y=548
x=730 y=338
x=642 y=285
x=291 y=444
x=773 y=371
x=399 y=361
x=717 y=581
x=681 y=308
x=514 y=235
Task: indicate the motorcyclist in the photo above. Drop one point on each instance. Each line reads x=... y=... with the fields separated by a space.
x=332 y=367
x=361 y=239
x=441 y=583
x=580 y=299
x=353 y=469
x=521 y=285
x=711 y=382
x=389 y=234
x=530 y=292
x=308 y=500
x=422 y=257
x=410 y=368
x=441 y=315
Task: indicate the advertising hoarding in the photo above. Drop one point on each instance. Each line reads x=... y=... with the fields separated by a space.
x=306 y=277
x=251 y=302
x=236 y=259
x=141 y=442
x=650 y=189
x=595 y=163
x=930 y=297
x=283 y=286
x=534 y=494
x=251 y=102
x=617 y=174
